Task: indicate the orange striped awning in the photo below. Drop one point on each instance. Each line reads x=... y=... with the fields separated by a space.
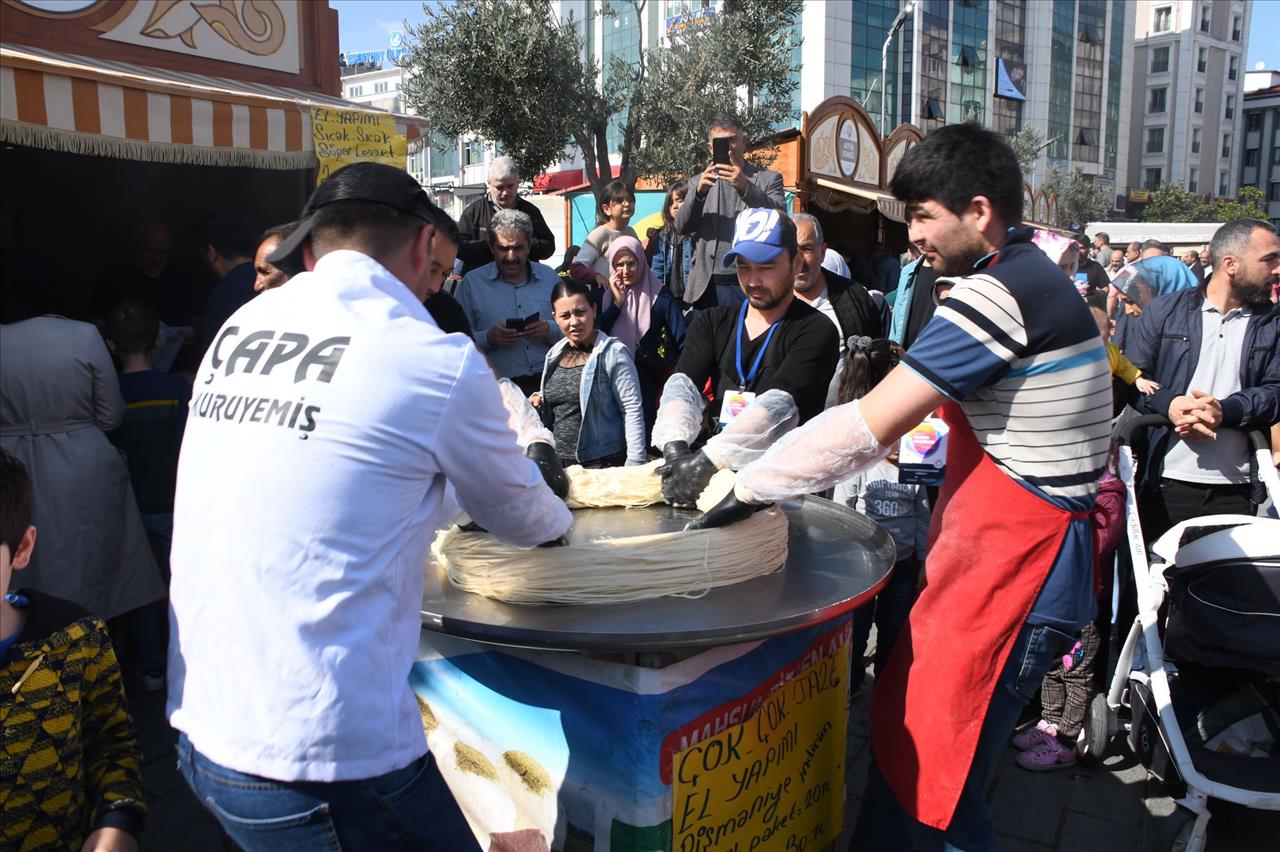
x=116 y=109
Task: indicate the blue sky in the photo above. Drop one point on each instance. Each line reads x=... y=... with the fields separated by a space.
x=366 y=25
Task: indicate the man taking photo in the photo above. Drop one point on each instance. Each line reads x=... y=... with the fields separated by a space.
x=726 y=187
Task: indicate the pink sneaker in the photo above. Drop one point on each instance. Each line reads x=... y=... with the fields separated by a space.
x=1034 y=737
x=1048 y=757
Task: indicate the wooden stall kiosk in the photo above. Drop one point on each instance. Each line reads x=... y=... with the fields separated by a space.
x=847 y=167
x=128 y=112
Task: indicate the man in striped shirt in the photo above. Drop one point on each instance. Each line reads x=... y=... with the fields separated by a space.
x=1014 y=359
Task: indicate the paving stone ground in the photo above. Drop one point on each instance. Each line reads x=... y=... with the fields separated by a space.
x=1114 y=808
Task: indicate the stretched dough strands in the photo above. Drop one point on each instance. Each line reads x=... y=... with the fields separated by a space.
x=687 y=564
x=632 y=487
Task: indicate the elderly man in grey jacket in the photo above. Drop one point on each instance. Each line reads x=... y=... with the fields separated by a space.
x=714 y=199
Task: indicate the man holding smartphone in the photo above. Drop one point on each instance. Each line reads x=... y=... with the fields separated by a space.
x=724 y=189
x=508 y=302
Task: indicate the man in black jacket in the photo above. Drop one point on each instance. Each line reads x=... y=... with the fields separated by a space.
x=473 y=224
x=846 y=303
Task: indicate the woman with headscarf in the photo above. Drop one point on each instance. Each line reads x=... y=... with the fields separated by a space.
x=1141 y=282
x=641 y=312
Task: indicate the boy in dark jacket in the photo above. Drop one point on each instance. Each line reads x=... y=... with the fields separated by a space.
x=68 y=756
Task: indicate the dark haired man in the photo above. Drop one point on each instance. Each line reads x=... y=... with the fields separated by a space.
x=714 y=199
x=226 y=246
x=770 y=361
x=328 y=419
x=1213 y=351
x=1014 y=358
x=268 y=276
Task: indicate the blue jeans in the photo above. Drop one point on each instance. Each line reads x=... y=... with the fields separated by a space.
x=882 y=822
x=888 y=610
x=409 y=808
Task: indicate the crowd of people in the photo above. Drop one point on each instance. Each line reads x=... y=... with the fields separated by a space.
x=140 y=448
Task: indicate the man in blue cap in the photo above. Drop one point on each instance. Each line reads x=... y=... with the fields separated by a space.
x=769 y=361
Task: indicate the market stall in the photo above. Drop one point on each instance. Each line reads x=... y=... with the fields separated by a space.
x=709 y=722
x=846 y=174
x=132 y=112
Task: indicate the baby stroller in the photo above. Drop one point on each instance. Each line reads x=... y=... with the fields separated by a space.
x=1202 y=684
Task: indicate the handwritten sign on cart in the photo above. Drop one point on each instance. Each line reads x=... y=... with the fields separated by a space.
x=343 y=137
x=776 y=781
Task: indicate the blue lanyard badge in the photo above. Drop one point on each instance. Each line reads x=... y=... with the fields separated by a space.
x=744 y=380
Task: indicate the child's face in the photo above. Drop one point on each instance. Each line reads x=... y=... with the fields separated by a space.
x=621 y=210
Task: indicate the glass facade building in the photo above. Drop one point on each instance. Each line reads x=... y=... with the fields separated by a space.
x=1010 y=45
x=968 y=71
x=1061 y=58
x=871 y=21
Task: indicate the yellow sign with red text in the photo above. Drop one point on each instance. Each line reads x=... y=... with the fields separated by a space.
x=775 y=782
x=343 y=137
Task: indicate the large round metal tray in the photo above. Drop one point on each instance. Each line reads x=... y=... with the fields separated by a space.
x=837 y=559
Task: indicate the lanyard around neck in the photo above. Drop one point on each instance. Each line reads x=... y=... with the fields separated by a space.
x=744 y=380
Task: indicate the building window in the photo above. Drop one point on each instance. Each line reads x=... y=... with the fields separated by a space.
x=1230 y=110
x=1062 y=78
x=1275 y=156
x=1253 y=122
x=1156 y=102
x=1008 y=45
x=967 y=76
x=1274 y=193
x=1199 y=106
x=1226 y=145
x=1202 y=60
x=1206 y=15
x=1163 y=20
x=1222 y=183
x=473 y=153
x=935 y=24
x=1152 y=179
x=355 y=92
x=1155 y=140
x=866 y=35
x=1233 y=67
x=1193 y=180
x=1195 y=140
x=1235 y=27
x=1115 y=67
x=933 y=109
x=1087 y=106
x=1252 y=157
x=378 y=88
x=1160 y=59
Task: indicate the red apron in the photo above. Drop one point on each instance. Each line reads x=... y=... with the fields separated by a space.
x=992 y=546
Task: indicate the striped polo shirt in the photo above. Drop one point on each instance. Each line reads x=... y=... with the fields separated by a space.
x=1015 y=346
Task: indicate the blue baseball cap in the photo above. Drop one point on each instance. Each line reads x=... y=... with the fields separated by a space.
x=757 y=236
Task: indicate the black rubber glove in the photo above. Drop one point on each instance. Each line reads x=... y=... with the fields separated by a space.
x=685 y=474
x=544 y=456
x=730 y=510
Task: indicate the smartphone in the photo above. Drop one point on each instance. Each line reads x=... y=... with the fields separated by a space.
x=518 y=324
x=720 y=150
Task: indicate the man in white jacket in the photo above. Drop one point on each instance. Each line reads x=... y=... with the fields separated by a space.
x=328 y=417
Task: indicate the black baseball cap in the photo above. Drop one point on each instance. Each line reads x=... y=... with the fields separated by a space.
x=375 y=182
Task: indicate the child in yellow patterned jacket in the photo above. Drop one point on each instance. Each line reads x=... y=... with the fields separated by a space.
x=68 y=757
x=1121 y=367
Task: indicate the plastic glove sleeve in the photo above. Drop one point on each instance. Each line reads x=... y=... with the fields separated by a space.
x=770 y=416
x=522 y=417
x=679 y=412
x=829 y=448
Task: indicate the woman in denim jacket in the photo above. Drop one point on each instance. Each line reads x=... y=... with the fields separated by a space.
x=590 y=393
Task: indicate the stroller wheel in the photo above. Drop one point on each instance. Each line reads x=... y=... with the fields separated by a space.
x=1095 y=734
x=1173 y=834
